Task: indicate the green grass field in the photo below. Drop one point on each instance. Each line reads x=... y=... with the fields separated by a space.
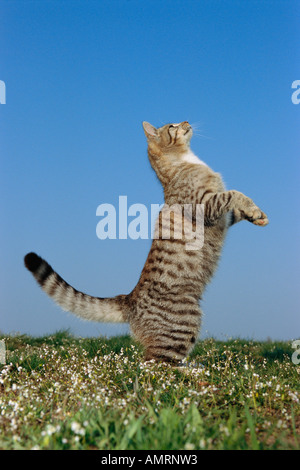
x=62 y=392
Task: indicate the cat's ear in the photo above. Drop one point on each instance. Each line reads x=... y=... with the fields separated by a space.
x=149 y=130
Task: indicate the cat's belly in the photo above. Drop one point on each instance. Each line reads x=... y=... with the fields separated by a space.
x=173 y=267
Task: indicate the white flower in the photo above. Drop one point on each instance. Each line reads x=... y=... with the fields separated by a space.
x=202 y=443
x=77 y=429
x=50 y=429
x=189 y=446
x=293 y=396
x=224 y=429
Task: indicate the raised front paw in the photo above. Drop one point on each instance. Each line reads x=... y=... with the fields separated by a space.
x=257 y=217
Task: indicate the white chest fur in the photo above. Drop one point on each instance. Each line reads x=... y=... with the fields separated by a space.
x=190 y=157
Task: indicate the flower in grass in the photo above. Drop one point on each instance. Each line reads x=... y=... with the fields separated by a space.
x=202 y=443
x=224 y=429
x=50 y=429
x=293 y=396
x=189 y=446
x=77 y=428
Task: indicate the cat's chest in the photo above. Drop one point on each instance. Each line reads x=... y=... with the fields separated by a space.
x=190 y=157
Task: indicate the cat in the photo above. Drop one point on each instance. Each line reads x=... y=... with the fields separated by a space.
x=163 y=309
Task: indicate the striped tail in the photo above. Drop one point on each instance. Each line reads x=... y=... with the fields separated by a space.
x=70 y=299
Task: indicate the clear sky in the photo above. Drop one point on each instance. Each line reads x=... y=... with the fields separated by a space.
x=80 y=77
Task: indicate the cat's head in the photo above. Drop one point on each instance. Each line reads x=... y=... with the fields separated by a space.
x=169 y=139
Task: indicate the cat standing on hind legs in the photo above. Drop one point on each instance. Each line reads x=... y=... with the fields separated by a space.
x=163 y=309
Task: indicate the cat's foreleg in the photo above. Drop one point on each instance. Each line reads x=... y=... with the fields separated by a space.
x=237 y=204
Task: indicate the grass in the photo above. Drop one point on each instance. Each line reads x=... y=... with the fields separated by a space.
x=62 y=392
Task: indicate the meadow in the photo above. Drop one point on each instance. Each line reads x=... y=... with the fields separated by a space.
x=65 y=392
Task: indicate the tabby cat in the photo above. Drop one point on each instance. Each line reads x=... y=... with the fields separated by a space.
x=163 y=309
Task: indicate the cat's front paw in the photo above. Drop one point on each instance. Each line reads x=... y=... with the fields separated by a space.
x=257 y=217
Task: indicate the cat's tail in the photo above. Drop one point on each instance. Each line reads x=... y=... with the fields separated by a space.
x=70 y=299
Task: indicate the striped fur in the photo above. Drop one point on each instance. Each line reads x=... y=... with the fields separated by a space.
x=70 y=299
x=163 y=309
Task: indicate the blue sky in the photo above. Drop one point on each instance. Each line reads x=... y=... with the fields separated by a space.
x=80 y=79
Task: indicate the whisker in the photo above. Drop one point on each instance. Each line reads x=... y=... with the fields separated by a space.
x=197 y=134
x=197 y=130
x=197 y=124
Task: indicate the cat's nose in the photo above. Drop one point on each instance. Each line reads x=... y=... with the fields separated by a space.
x=185 y=124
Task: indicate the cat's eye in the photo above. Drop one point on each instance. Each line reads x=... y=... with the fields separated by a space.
x=171 y=125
